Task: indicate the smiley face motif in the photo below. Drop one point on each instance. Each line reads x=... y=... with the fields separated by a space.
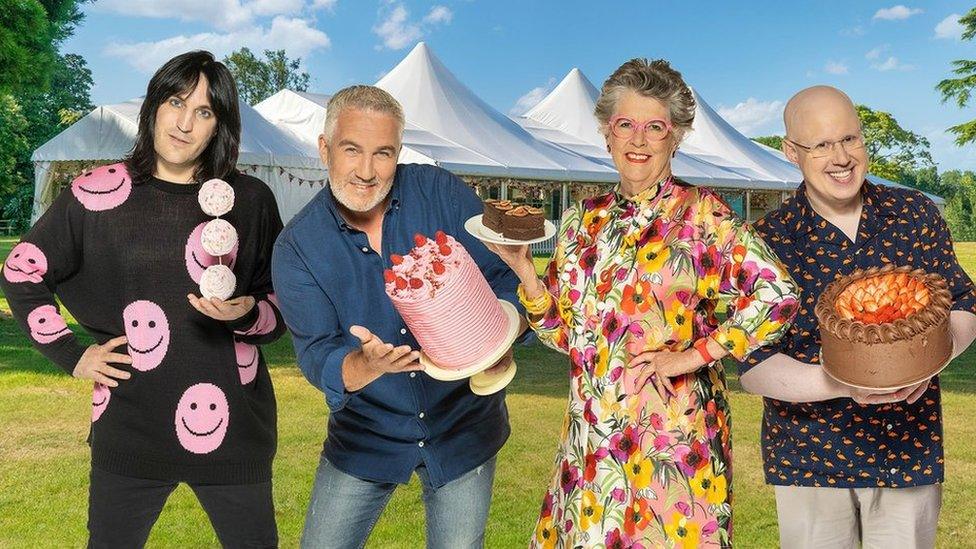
x=247 y=361
x=46 y=325
x=100 y=397
x=202 y=416
x=197 y=259
x=103 y=188
x=26 y=263
x=147 y=330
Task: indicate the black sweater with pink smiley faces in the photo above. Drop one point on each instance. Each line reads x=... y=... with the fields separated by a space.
x=122 y=258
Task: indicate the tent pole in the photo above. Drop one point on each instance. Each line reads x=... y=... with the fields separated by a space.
x=563 y=198
x=503 y=193
x=748 y=205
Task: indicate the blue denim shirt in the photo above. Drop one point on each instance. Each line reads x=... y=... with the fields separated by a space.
x=328 y=278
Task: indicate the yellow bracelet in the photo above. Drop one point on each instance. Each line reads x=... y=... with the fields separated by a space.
x=536 y=306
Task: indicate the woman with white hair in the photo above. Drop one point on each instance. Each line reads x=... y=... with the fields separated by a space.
x=630 y=294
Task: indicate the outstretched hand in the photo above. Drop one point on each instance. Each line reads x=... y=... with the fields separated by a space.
x=384 y=358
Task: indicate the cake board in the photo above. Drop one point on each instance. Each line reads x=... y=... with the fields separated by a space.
x=484 y=383
x=892 y=389
x=477 y=229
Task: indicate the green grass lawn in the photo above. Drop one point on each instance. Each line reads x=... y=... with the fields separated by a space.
x=44 y=460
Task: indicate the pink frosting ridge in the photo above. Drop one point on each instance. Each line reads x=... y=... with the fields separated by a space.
x=446 y=302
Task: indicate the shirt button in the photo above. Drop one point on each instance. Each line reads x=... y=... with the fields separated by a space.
x=889 y=426
x=365 y=250
x=421 y=444
x=892 y=470
x=403 y=331
x=421 y=415
x=413 y=374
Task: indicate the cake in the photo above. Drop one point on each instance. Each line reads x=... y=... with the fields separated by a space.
x=216 y=197
x=885 y=327
x=513 y=220
x=219 y=237
x=523 y=223
x=494 y=209
x=217 y=281
x=446 y=302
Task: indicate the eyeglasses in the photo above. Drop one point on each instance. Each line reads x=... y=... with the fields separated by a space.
x=654 y=130
x=823 y=149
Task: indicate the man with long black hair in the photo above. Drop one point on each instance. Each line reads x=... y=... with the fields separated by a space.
x=181 y=391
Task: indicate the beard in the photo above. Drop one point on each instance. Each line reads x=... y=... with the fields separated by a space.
x=342 y=194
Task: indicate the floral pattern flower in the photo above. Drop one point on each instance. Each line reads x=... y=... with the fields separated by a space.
x=646 y=274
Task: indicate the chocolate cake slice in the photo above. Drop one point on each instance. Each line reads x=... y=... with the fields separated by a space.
x=523 y=223
x=494 y=210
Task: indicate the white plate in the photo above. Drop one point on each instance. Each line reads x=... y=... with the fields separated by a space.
x=479 y=231
x=441 y=374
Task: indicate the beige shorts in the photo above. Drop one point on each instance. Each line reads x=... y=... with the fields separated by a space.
x=872 y=518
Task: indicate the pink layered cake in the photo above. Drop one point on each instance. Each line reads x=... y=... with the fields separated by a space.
x=446 y=302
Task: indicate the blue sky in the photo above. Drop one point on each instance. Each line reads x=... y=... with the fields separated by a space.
x=745 y=58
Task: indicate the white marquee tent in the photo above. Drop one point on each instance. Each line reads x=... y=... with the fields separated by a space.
x=290 y=167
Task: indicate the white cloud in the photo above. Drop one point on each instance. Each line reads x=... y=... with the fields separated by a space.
x=275 y=7
x=892 y=64
x=895 y=13
x=876 y=52
x=531 y=98
x=835 y=67
x=439 y=14
x=324 y=4
x=853 y=31
x=397 y=30
x=290 y=34
x=222 y=14
x=753 y=116
x=949 y=28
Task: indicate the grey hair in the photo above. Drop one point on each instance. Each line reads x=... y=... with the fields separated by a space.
x=367 y=98
x=655 y=79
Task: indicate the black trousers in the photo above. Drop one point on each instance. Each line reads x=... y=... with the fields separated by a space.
x=122 y=511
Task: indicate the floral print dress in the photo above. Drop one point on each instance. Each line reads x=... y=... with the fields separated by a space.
x=639 y=274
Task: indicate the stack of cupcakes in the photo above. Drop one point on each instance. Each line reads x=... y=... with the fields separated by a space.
x=219 y=237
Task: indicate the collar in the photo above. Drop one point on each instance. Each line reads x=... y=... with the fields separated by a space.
x=876 y=204
x=649 y=197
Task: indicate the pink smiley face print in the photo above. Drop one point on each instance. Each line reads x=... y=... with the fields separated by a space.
x=147 y=330
x=26 y=263
x=247 y=361
x=103 y=188
x=100 y=397
x=197 y=259
x=46 y=325
x=202 y=416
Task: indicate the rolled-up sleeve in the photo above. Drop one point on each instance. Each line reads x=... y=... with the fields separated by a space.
x=321 y=344
x=937 y=245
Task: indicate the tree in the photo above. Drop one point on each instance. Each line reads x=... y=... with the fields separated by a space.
x=892 y=150
x=960 y=89
x=259 y=79
x=30 y=33
x=772 y=141
x=33 y=117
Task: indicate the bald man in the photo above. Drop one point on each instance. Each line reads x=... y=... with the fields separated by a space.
x=849 y=467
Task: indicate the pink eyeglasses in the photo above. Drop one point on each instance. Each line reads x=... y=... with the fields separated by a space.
x=654 y=130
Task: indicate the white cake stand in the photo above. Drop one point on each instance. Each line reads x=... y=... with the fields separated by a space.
x=482 y=384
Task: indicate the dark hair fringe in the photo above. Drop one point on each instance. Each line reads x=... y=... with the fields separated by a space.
x=179 y=76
